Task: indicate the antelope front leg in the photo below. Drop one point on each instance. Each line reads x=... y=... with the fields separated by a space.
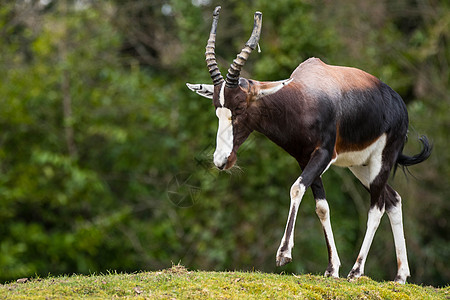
x=317 y=164
x=284 y=255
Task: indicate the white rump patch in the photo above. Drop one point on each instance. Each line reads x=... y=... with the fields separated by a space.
x=224 y=144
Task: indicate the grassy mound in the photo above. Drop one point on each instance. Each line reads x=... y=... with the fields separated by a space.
x=179 y=283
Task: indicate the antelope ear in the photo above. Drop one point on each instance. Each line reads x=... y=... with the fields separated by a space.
x=269 y=88
x=205 y=90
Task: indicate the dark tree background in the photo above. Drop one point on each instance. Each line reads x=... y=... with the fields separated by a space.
x=106 y=156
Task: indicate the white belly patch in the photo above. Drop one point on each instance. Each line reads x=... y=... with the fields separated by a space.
x=370 y=155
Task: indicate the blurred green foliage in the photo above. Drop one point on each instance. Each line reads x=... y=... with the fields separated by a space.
x=105 y=155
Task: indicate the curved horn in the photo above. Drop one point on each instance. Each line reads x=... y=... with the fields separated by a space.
x=235 y=68
x=210 y=54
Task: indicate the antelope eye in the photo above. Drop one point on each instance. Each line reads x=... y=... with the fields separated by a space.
x=238 y=110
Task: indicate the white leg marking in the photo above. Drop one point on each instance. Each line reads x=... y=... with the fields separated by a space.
x=373 y=221
x=284 y=255
x=224 y=137
x=396 y=220
x=323 y=212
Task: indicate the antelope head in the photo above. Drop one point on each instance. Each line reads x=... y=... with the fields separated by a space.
x=233 y=97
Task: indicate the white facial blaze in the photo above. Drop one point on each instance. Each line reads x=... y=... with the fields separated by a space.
x=222 y=95
x=224 y=144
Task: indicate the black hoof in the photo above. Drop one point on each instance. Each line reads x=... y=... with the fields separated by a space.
x=281 y=261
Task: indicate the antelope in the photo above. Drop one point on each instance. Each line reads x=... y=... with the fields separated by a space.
x=321 y=115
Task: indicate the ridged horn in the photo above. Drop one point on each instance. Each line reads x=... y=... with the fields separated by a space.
x=210 y=54
x=235 y=68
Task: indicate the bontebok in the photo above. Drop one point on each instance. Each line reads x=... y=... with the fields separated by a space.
x=321 y=115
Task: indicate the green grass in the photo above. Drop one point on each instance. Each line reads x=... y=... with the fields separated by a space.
x=179 y=283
